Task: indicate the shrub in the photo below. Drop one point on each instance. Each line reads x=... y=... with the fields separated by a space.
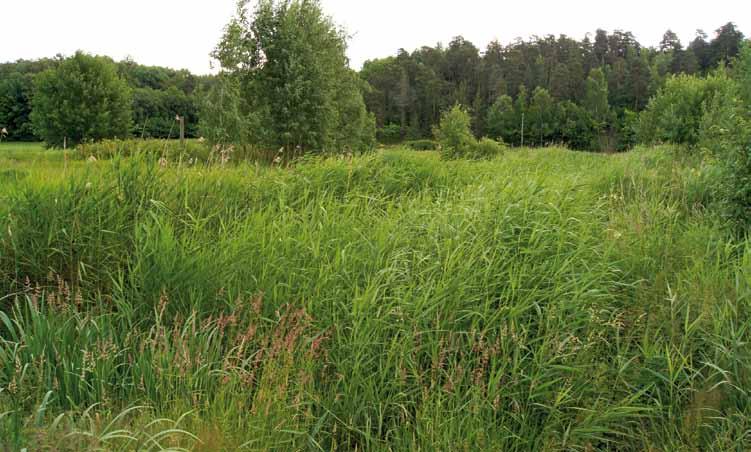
x=708 y=117
x=389 y=134
x=675 y=114
x=724 y=137
x=454 y=133
x=734 y=187
x=487 y=148
x=742 y=74
x=421 y=145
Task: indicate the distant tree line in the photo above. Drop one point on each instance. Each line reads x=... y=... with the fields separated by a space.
x=285 y=84
x=156 y=95
x=159 y=94
x=285 y=89
x=583 y=93
x=16 y=91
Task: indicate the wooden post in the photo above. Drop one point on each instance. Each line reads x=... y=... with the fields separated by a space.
x=181 y=120
x=522 y=129
x=182 y=130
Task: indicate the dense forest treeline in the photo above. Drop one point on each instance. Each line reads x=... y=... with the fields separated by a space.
x=158 y=94
x=578 y=92
x=583 y=93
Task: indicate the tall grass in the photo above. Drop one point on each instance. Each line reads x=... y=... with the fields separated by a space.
x=546 y=300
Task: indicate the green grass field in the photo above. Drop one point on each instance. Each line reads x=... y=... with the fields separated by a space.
x=546 y=300
x=27 y=153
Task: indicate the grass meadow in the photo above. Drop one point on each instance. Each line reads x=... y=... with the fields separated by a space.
x=546 y=300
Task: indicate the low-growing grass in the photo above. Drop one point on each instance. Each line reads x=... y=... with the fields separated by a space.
x=15 y=152
x=543 y=300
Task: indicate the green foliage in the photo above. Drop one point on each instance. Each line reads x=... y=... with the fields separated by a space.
x=723 y=123
x=356 y=127
x=15 y=108
x=726 y=44
x=16 y=90
x=606 y=77
x=546 y=300
x=82 y=99
x=674 y=115
x=733 y=184
x=629 y=130
x=154 y=113
x=502 y=121
x=577 y=128
x=742 y=74
x=222 y=108
x=709 y=117
x=454 y=133
x=390 y=134
x=541 y=119
x=487 y=148
x=596 y=99
x=422 y=145
x=725 y=137
x=290 y=67
x=159 y=95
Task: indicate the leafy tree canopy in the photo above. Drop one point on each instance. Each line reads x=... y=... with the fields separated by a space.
x=82 y=99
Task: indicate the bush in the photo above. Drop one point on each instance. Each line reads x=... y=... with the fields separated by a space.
x=454 y=133
x=389 y=134
x=421 y=145
x=708 y=116
x=734 y=188
x=675 y=114
x=456 y=141
x=487 y=148
x=742 y=74
x=724 y=137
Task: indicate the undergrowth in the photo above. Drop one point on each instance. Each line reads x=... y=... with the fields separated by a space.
x=544 y=300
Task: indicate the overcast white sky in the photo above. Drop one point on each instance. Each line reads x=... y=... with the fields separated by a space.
x=181 y=33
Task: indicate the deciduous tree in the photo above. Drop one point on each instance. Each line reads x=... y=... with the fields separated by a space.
x=80 y=100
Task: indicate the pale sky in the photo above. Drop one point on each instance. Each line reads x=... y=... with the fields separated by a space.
x=181 y=33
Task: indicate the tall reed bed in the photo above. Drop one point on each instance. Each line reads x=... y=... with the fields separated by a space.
x=548 y=300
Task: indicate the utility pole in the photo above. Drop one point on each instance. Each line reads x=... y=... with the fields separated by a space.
x=522 y=129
